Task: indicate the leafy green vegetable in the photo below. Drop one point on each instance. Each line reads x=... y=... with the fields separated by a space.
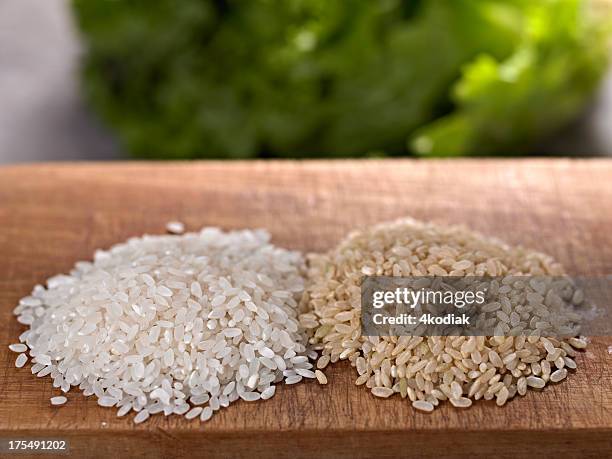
x=502 y=105
x=308 y=78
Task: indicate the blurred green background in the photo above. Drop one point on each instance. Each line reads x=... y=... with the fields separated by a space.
x=345 y=78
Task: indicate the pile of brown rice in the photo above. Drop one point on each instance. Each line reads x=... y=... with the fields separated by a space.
x=428 y=370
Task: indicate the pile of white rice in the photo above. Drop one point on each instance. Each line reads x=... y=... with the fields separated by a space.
x=429 y=370
x=174 y=324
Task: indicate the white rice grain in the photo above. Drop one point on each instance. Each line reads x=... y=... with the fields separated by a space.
x=21 y=360
x=175 y=227
x=194 y=412
x=59 y=400
x=142 y=416
x=18 y=347
x=207 y=413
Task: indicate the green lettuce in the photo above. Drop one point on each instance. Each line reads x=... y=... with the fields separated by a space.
x=321 y=78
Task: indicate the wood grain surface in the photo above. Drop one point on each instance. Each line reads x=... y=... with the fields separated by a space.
x=53 y=215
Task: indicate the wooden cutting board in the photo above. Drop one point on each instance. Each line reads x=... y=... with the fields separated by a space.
x=53 y=215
